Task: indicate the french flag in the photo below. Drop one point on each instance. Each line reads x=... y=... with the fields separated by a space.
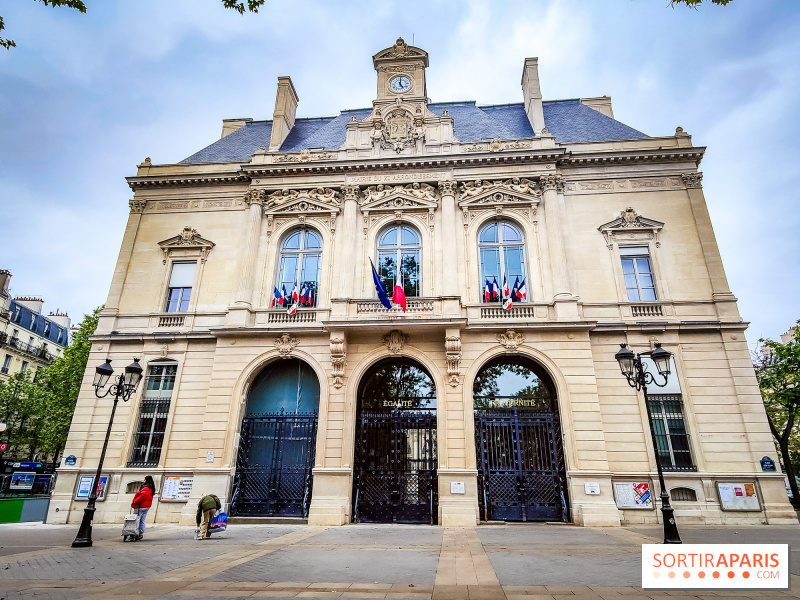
x=515 y=290
x=507 y=301
x=487 y=292
x=303 y=295
x=275 y=298
x=292 y=309
x=495 y=287
x=295 y=294
x=522 y=293
x=399 y=296
x=284 y=297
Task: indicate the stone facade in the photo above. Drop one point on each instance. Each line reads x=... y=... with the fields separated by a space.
x=579 y=205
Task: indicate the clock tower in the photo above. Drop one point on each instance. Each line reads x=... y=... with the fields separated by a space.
x=401 y=74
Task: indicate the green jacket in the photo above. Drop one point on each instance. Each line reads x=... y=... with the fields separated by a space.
x=209 y=502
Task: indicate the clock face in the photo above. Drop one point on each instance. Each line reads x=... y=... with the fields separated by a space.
x=400 y=84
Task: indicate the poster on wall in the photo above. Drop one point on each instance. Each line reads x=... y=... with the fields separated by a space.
x=84 y=487
x=177 y=488
x=738 y=496
x=22 y=480
x=633 y=494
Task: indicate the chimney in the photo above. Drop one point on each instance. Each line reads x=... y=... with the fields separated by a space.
x=231 y=125
x=601 y=105
x=532 y=94
x=283 y=117
x=5 y=280
x=31 y=302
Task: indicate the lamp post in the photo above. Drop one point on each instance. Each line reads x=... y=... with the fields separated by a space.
x=639 y=377
x=123 y=387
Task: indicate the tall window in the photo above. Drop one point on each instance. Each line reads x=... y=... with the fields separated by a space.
x=60 y=335
x=637 y=273
x=47 y=327
x=6 y=363
x=672 y=438
x=301 y=254
x=400 y=245
x=502 y=255
x=153 y=413
x=24 y=366
x=180 y=287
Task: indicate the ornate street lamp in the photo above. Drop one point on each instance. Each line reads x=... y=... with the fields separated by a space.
x=639 y=377
x=123 y=386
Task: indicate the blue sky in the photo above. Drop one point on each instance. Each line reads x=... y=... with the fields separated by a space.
x=85 y=98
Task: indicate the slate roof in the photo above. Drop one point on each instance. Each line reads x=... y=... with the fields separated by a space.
x=567 y=120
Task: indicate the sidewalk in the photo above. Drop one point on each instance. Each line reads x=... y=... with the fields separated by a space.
x=491 y=562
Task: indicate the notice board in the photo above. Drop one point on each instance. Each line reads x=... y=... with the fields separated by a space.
x=738 y=496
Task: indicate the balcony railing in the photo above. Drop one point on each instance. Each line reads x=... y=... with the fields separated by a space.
x=6 y=340
x=412 y=306
x=305 y=316
x=647 y=310
x=518 y=311
x=171 y=321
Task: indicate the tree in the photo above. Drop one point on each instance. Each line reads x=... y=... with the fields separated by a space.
x=778 y=371
x=61 y=384
x=252 y=6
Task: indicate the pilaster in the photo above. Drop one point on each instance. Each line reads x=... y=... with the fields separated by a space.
x=565 y=302
x=448 y=281
x=238 y=315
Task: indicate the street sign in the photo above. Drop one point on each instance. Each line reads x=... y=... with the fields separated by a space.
x=767 y=464
x=70 y=460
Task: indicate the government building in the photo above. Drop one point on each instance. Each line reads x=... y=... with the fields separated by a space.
x=521 y=243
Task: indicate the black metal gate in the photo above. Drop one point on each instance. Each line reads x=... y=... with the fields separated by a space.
x=273 y=468
x=521 y=475
x=395 y=477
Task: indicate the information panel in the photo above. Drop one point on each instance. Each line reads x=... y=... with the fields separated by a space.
x=84 y=487
x=738 y=496
x=177 y=489
x=22 y=480
x=633 y=494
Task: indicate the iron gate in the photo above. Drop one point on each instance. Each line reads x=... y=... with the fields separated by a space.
x=395 y=478
x=273 y=468
x=521 y=475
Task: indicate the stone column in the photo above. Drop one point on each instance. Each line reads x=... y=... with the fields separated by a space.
x=708 y=242
x=109 y=312
x=346 y=256
x=552 y=185
x=237 y=314
x=448 y=284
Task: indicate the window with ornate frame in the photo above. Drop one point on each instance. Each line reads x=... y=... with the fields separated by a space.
x=501 y=254
x=638 y=273
x=400 y=245
x=299 y=264
x=148 y=440
x=179 y=290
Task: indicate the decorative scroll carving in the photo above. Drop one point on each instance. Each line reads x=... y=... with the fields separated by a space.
x=401 y=50
x=255 y=197
x=187 y=239
x=452 y=348
x=692 y=180
x=316 y=195
x=631 y=227
x=551 y=181
x=401 y=195
x=510 y=340
x=285 y=344
x=305 y=156
x=398 y=131
x=137 y=206
x=395 y=340
x=448 y=188
x=338 y=356
x=470 y=189
x=350 y=192
x=497 y=145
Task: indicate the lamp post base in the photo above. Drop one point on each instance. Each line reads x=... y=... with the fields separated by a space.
x=671 y=535
x=84 y=537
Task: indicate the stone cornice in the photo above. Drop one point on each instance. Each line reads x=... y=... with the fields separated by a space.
x=557 y=157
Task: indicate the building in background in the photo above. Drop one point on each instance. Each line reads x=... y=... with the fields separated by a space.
x=28 y=338
x=521 y=243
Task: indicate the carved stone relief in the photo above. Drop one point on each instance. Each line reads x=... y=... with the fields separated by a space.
x=452 y=347
x=285 y=344
x=395 y=340
x=510 y=340
x=692 y=180
x=631 y=226
x=187 y=239
x=137 y=206
x=338 y=358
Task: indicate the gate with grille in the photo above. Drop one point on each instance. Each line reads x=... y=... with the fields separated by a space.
x=521 y=474
x=395 y=476
x=273 y=468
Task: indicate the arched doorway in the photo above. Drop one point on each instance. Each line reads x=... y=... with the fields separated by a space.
x=395 y=478
x=520 y=453
x=277 y=442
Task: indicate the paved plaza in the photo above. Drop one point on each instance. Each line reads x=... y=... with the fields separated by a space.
x=492 y=562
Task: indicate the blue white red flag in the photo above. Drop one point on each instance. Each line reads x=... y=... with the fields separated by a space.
x=522 y=292
x=399 y=296
x=495 y=289
x=507 y=301
x=487 y=292
x=515 y=290
x=303 y=294
x=275 y=298
x=284 y=297
x=379 y=288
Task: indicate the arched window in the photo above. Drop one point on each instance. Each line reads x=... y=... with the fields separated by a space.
x=502 y=257
x=301 y=253
x=400 y=245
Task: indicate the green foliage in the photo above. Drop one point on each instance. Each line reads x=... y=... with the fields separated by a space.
x=38 y=413
x=695 y=3
x=252 y=5
x=778 y=371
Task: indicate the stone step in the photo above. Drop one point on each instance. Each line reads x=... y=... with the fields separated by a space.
x=267 y=521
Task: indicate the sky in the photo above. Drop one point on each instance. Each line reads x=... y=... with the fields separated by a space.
x=84 y=98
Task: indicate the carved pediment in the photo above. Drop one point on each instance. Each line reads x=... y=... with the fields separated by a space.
x=401 y=50
x=317 y=200
x=631 y=226
x=187 y=239
x=514 y=191
x=414 y=196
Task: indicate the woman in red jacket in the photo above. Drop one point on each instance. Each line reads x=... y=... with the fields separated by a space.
x=142 y=502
